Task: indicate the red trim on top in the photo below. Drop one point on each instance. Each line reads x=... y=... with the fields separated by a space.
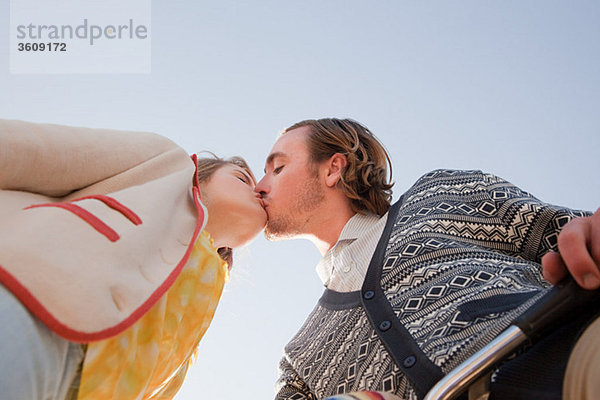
x=84 y=337
x=115 y=205
x=196 y=181
x=73 y=335
x=85 y=215
x=29 y=301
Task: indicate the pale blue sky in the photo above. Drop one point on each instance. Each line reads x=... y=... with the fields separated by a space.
x=509 y=87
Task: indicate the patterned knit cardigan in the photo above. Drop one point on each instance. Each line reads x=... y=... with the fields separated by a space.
x=458 y=260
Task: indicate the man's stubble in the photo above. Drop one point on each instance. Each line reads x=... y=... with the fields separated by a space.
x=292 y=222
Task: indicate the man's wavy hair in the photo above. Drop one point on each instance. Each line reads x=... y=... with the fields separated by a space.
x=366 y=180
x=207 y=166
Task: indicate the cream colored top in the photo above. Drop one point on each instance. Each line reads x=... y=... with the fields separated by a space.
x=109 y=217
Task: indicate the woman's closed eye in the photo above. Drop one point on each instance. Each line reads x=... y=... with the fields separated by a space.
x=278 y=169
x=246 y=179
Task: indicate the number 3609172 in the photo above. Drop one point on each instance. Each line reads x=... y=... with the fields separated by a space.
x=50 y=46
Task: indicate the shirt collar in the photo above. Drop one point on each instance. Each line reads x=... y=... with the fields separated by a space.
x=357 y=225
x=354 y=228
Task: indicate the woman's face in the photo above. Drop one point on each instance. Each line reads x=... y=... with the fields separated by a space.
x=235 y=212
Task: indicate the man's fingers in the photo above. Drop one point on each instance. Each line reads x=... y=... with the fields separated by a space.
x=573 y=244
x=554 y=269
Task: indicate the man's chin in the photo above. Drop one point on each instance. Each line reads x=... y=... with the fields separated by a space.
x=274 y=234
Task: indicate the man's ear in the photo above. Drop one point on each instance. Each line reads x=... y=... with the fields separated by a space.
x=335 y=167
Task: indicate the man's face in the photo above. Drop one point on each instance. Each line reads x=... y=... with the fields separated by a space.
x=290 y=189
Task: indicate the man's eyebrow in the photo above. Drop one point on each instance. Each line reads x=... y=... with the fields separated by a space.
x=272 y=158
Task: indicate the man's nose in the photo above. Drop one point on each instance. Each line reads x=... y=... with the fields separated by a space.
x=262 y=188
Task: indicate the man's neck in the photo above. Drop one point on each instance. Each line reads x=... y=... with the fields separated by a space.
x=324 y=225
x=328 y=231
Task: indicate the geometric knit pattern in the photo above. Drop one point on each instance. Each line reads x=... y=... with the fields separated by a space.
x=459 y=261
x=350 y=357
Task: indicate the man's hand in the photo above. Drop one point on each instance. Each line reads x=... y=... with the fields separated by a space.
x=579 y=248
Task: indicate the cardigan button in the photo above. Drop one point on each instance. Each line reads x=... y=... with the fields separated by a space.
x=385 y=325
x=369 y=294
x=409 y=361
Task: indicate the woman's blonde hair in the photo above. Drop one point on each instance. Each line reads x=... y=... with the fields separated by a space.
x=207 y=166
x=366 y=180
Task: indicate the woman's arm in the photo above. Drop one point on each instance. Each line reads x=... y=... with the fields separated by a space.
x=56 y=160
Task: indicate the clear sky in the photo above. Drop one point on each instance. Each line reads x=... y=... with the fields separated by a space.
x=510 y=87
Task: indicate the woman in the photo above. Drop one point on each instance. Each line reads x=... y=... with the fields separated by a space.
x=109 y=239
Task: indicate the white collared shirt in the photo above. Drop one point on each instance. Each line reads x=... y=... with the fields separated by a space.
x=344 y=267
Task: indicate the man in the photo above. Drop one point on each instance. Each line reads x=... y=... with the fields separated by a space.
x=414 y=289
